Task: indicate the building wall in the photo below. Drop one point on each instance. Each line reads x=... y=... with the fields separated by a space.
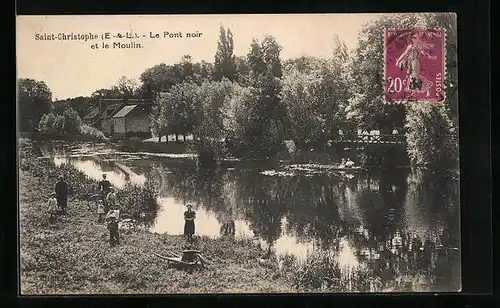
x=119 y=126
x=106 y=126
x=138 y=122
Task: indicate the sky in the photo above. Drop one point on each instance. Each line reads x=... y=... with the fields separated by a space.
x=73 y=68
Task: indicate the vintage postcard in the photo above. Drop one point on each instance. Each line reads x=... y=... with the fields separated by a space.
x=167 y=154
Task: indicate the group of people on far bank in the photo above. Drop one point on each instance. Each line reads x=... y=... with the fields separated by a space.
x=107 y=208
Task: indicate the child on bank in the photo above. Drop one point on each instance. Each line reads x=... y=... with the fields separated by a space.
x=52 y=207
x=112 y=225
x=100 y=211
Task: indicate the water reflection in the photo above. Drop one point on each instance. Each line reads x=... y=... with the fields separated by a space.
x=400 y=223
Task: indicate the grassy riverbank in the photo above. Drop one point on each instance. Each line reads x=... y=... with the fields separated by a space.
x=72 y=256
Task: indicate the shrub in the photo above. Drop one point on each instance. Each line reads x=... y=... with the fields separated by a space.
x=321 y=271
x=92 y=132
x=67 y=123
x=135 y=199
x=430 y=136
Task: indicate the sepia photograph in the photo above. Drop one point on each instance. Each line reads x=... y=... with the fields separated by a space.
x=212 y=154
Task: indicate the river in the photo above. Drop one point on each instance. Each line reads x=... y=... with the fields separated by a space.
x=372 y=219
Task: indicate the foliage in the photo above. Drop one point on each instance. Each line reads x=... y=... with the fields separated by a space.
x=266 y=123
x=132 y=199
x=160 y=78
x=34 y=99
x=65 y=122
x=366 y=108
x=210 y=98
x=127 y=87
x=92 y=132
x=135 y=199
x=431 y=136
x=315 y=94
x=224 y=64
x=68 y=122
x=82 y=105
x=174 y=111
x=242 y=75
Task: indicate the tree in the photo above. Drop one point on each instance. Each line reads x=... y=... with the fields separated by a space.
x=81 y=104
x=159 y=78
x=368 y=75
x=302 y=115
x=265 y=129
x=203 y=71
x=242 y=71
x=430 y=136
x=255 y=59
x=210 y=98
x=64 y=120
x=315 y=93
x=448 y=22
x=224 y=64
x=174 y=111
x=127 y=87
x=106 y=93
x=35 y=99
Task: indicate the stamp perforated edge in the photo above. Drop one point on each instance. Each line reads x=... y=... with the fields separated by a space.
x=445 y=74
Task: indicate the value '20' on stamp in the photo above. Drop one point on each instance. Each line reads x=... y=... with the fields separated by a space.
x=414 y=65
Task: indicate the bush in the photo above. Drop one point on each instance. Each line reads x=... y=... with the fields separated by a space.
x=66 y=124
x=92 y=132
x=135 y=199
x=321 y=271
x=430 y=136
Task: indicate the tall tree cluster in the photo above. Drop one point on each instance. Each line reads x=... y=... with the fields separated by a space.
x=252 y=103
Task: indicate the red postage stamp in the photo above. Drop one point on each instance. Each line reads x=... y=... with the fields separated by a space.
x=414 y=65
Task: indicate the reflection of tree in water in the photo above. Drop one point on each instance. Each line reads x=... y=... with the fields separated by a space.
x=187 y=182
x=398 y=249
x=436 y=197
x=263 y=197
x=312 y=211
x=382 y=214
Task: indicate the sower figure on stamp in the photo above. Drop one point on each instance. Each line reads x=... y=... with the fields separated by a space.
x=62 y=194
x=410 y=60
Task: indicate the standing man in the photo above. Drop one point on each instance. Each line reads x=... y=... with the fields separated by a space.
x=62 y=194
x=104 y=189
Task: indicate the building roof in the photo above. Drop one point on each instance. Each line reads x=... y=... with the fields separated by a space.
x=124 y=111
x=92 y=114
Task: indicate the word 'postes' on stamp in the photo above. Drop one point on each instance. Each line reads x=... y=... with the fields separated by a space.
x=414 y=65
